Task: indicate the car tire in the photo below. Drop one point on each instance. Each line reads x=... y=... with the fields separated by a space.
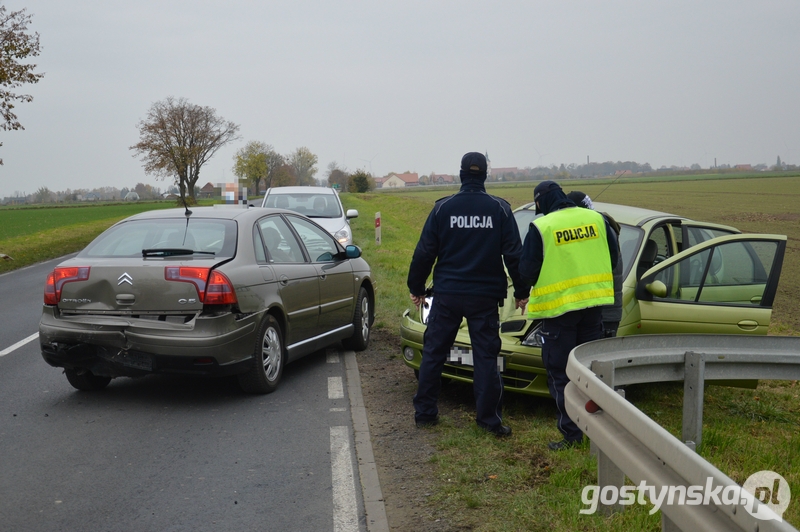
x=85 y=380
x=361 y=323
x=269 y=358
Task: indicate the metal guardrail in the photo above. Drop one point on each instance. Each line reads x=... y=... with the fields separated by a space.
x=631 y=444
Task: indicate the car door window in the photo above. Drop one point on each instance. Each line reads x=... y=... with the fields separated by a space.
x=662 y=236
x=694 y=235
x=733 y=273
x=319 y=243
x=280 y=242
x=258 y=246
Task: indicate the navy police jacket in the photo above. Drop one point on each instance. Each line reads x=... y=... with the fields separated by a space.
x=469 y=236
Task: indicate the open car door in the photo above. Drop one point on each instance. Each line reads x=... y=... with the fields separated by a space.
x=724 y=285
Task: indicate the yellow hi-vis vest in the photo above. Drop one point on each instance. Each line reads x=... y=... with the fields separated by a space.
x=576 y=272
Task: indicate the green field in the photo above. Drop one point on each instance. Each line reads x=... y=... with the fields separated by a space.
x=33 y=234
x=516 y=484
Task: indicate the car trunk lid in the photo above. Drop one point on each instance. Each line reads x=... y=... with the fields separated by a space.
x=118 y=286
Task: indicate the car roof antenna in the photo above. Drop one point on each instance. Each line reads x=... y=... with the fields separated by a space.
x=598 y=195
x=188 y=212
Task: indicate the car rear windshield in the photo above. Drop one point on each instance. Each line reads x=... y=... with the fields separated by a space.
x=206 y=237
x=312 y=205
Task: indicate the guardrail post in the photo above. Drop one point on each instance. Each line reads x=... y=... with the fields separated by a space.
x=608 y=474
x=693 y=389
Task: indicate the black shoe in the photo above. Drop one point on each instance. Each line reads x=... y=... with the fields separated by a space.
x=561 y=445
x=425 y=423
x=501 y=432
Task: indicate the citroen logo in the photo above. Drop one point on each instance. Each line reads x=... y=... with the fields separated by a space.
x=125 y=278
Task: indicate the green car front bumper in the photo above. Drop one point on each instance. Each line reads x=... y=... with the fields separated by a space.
x=523 y=373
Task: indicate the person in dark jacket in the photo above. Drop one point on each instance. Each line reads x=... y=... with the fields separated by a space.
x=568 y=257
x=612 y=314
x=468 y=236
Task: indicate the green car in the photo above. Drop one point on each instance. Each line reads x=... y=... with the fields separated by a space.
x=680 y=276
x=214 y=291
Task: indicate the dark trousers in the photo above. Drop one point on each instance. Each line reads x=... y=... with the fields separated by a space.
x=560 y=335
x=483 y=322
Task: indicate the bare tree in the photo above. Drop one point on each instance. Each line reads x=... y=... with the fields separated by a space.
x=177 y=138
x=43 y=195
x=15 y=45
x=275 y=161
x=337 y=176
x=304 y=164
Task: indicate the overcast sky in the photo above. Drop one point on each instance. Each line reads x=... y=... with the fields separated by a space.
x=394 y=86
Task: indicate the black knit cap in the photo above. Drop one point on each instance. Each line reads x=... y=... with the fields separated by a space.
x=543 y=188
x=474 y=163
x=577 y=198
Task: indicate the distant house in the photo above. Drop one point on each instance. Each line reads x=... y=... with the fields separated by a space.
x=207 y=191
x=91 y=196
x=443 y=179
x=501 y=174
x=394 y=180
x=744 y=167
x=379 y=181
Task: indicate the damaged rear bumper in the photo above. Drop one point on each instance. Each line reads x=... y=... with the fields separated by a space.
x=117 y=346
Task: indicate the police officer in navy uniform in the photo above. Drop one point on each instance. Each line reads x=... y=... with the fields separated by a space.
x=468 y=236
x=568 y=257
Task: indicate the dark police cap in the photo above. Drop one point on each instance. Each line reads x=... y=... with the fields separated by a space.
x=543 y=188
x=474 y=163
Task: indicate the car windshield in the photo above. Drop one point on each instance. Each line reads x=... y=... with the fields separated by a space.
x=131 y=238
x=630 y=238
x=524 y=218
x=310 y=204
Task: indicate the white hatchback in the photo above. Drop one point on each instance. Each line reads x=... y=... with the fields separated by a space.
x=320 y=203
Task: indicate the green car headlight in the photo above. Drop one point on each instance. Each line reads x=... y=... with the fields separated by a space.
x=534 y=337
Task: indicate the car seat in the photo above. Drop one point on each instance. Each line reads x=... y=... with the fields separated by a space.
x=282 y=202
x=648 y=258
x=273 y=239
x=320 y=206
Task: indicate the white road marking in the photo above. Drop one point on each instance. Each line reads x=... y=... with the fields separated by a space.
x=19 y=344
x=338 y=410
x=335 y=388
x=345 y=511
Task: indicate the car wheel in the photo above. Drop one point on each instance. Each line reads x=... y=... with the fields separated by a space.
x=268 y=359
x=361 y=323
x=86 y=380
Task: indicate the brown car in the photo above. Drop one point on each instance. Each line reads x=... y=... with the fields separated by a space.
x=225 y=290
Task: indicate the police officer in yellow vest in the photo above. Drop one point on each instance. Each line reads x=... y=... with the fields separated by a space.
x=567 y=257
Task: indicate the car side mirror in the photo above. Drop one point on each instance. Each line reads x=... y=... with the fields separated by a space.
x=352 y=213
x=352 y=252
x=657 y=288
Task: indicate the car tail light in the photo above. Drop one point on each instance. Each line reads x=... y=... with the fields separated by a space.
x=60 y=276
x=213 y=287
